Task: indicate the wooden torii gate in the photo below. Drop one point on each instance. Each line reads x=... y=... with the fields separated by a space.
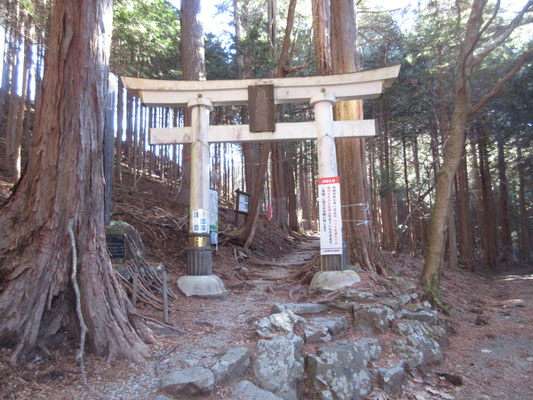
x=260 y=94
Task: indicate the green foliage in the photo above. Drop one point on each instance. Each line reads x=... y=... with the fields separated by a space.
x=145 y=39
x=218 y=63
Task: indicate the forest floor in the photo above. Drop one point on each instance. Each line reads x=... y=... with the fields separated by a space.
x=490 y=337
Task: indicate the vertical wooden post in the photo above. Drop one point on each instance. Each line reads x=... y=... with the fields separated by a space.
x=165 y=296
x=327 y=159
x=199 y=253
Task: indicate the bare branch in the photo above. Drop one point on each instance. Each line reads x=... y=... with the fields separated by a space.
x=498 y=86
x=489 y=48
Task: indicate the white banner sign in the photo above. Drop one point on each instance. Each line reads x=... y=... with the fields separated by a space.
x=213 y=210
x=200 y=221
x=329 y=201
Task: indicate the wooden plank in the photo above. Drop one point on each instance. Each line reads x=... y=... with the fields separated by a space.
x=261 y=108
x=282 y=95
x=284 y=131
x=357 y=85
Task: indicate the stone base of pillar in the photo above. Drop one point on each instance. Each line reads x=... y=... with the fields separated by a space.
x=328 y=281
x=203 y=286
x=199 y=255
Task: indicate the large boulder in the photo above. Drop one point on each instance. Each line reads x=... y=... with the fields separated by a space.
x=371 y=319
x=339 y=372
x=232 y=365
x=279 y=365
x=246 y=390
x=188 y=382
x=419 y=344
x=282 y=321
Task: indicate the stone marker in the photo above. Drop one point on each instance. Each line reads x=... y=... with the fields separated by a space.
x=232 y=365
x=189 y=381
x=279 y=365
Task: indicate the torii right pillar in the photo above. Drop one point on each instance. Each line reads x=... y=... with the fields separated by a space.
x=333 y=275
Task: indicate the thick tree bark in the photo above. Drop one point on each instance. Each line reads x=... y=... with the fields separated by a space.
x=505 y=228
x=290 y=169
x=491 y=249
x=358 y=235
x=421 y=221
x=193 y=67
x=320 y=35
x=118 y=140
x=65 y=182
x=407 y=199
x=22 y=101
x=464 y=225
x=524 y=248
x=248 y=233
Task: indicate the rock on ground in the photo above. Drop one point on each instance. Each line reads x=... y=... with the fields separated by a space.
x=300 y=308
x=418 y=344
x=333 y=325
x=339 y=372
x=370 y=319
x=316 y=334
x=370 y=348
x=246 y=390
x=189 y=381
x=283 y=321
x=428 y=316
x=391 y=380
x=279 y=365
x=232 y=365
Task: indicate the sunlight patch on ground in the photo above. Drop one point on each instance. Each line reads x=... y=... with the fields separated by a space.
x=508 y=278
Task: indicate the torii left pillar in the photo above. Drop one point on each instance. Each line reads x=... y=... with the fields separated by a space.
x=200 y=280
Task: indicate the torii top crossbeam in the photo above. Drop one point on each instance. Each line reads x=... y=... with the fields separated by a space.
x=352 y=86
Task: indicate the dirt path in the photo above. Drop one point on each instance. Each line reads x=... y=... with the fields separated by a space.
x=212 y=327
x=492 y=348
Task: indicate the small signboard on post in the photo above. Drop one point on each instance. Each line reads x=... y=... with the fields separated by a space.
x=329 y=200
x=242 y=202
x=213 y=216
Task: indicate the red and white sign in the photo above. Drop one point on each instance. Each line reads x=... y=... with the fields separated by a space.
x=329 y=201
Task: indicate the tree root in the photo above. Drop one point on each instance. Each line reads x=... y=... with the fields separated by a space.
x=430 y=286
x=79 y=357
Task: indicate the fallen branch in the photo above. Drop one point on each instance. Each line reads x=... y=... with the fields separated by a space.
x=163 y=357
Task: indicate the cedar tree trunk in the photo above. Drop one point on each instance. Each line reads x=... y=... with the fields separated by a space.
x=65 y=181
x=351 y=152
